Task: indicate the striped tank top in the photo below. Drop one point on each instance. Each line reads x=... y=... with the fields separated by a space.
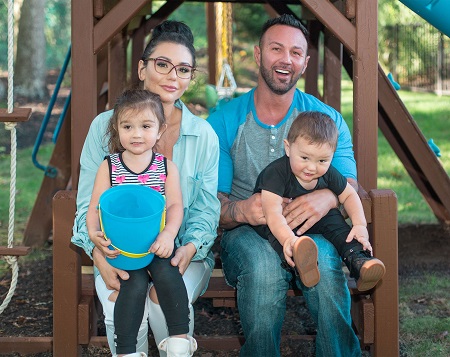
x=154 y=176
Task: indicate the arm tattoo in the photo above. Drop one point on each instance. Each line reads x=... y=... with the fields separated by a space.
x=229 y=210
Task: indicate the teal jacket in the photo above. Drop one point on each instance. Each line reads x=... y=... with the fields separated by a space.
x=196 y=154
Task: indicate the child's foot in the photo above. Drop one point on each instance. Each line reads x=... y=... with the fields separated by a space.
x=366 y=269
x=305 y=259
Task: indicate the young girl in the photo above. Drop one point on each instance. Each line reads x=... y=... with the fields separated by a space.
x=135 y=127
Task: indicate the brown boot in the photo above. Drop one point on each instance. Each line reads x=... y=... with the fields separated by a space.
x=305 y=259
x=366 y=269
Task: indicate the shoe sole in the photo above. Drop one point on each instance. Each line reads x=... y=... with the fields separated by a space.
x=371 y=273
x=305 y=259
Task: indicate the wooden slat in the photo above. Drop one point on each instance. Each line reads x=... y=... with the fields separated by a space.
x=363 y=316
x=18 y=251
x=86 y=315
x=18 y=115
x=25 y=345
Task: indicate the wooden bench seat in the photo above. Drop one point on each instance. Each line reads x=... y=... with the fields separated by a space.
x=375 y=314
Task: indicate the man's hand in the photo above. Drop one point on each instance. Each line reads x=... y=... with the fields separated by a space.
x=183 y=257
x=252 y=211
x=109 y=274
x=309 y=208
x=233 y=213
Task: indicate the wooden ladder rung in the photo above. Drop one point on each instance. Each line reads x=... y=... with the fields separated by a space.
x=14 y=251
x=18 y=115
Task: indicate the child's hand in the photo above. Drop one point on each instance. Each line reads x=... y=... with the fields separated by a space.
x=361 y=234
x=163 y=246
x=98 y=238
x=288 y=249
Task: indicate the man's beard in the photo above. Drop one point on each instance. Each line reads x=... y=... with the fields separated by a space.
x=277 y=87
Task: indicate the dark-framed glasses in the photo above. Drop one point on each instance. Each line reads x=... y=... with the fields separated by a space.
x=163 y=66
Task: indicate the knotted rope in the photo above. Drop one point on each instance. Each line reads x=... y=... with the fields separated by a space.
x=11 y=260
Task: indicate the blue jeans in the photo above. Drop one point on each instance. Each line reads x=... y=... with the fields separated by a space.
x=252 y=266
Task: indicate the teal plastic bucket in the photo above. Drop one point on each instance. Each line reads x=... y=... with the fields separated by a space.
x=131 y=216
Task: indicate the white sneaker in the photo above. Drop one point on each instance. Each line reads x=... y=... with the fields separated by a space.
x=178 y=347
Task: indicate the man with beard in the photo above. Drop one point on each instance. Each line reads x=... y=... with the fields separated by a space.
x=251 y=129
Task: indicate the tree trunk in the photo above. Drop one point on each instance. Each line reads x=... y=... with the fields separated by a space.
x=30 y=71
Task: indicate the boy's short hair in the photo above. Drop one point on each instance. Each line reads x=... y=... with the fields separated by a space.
x=316 y=127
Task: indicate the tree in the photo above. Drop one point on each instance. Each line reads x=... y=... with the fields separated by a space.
x=30 y=70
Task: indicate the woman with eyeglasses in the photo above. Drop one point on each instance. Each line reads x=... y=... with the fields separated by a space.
x=166 y=68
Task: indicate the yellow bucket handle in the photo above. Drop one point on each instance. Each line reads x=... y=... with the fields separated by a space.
x=128 y=254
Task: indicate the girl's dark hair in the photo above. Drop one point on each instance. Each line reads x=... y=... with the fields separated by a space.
x=132 y=99
x=316 y=127
x=170 y=31
x=287 y=20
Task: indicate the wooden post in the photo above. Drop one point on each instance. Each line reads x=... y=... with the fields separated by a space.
x=384 y=240
x=84 y=79
x=332 y=71
x=66 y=277
x=365 y=93
x=212 y=45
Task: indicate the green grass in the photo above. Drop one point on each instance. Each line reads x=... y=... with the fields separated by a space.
x=425 y=316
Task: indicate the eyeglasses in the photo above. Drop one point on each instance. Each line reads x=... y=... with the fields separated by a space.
x=163 y=66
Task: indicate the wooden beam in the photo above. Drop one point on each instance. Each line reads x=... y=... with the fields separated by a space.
x=365 y=93
x=114 y=21
x=334 y=20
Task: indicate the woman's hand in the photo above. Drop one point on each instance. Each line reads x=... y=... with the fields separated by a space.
x=183 y=257
x=109 y=274
x=309 y=209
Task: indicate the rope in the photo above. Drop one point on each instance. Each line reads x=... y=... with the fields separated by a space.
x=11 y=260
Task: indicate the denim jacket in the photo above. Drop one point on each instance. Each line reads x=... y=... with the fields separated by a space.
x=196 y=154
